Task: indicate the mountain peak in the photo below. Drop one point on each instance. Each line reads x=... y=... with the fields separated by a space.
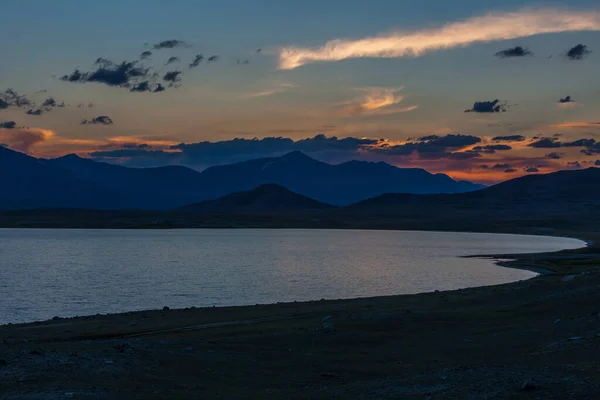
x=296 y=155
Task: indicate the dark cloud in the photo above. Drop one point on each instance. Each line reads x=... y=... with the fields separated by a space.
x=172 y=77
x=243 y=62
x=484 y=166
x=124 y=75
x=545 y=143
x=511 y=138
x=11 y=98
x=212 y=58
x=532 y=170
x=591 y=150
x=566 y=99
x=597 y=163
x=553 y=156
x=516 y=51
x=502 y=166
x=172 y=60
x=100 y=120
x=147 y=86
x=36 y=112
x=510 y=170
x=170 y=44
x=433 y=146
x=491 y=148
x=580 y=143
x=574 y=164
x=8 y=125
x=145 y=55
x=427 y=138
x=578 y=52
x=197 y=60
x=488 y=107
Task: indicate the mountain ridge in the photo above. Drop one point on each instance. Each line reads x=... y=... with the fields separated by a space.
x=73 y=181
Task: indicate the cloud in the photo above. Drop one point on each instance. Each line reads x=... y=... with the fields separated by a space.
x=147 y=86
x=491 y=148
x=566 y=99
x=580 y=143
x=23 y=139
x=553 y=156
x=36 y=112
x=516 y=51
x=282 y=87
x=100 y=120
x=172 y=77
x=145 y=55
x=511 y=138
x=11 y=98
x=127 y=74
x=197 y=60
x=574 y=164
x=578 y=52
x=566 y=102
x=545 y=143
x=376 y=101
x=490 y=27
x=212 y=58
x=172 y=60
x=510 y=170
x=492 y=106
x=577 y=125
x=8 y=125
x=434 y=147
x=170 y=44
x=532 y=170
x=502 y=166
x=597 y=163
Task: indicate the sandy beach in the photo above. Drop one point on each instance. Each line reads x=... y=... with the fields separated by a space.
x=534 y=339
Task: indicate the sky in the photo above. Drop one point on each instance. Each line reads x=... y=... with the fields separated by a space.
x=481 y=91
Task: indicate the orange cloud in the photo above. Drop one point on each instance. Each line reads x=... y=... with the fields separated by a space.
x=376 y=101
x=270 y=92
x=487 y=28
x=577 y=125
x=23 y=139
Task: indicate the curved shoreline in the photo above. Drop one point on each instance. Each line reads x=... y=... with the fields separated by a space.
x=506 y=260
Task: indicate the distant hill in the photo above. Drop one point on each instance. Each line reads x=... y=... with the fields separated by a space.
x=341 y=184
x=566 y=200
x=269 y=198
x=75 y=182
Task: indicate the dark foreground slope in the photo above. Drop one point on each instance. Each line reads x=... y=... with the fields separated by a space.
x=269 y=198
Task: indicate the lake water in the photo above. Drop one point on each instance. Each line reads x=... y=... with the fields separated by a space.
x=46 y=273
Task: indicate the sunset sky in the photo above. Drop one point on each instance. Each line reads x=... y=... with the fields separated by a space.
x=393 y=77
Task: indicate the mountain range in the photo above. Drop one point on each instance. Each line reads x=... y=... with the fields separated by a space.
x=74 y=182
x=561 y=202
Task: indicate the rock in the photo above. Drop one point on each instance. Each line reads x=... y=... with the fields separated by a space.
x=328 y=375
x=327 y=327
x=189 y=348
x=55 y=318
x=69 y=394
x=3 y=363
x=567 y=278
x=556 y=321
x=328 y=317
x=132 y=323
x=37 y=352
x=165 y=308
x=528 y=385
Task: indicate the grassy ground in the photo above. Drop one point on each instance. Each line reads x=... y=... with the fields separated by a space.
x=535 y=339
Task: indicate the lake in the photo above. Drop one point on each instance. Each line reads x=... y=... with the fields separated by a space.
x=55 y=272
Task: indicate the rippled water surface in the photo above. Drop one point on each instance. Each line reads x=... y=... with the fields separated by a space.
x=44 y=273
